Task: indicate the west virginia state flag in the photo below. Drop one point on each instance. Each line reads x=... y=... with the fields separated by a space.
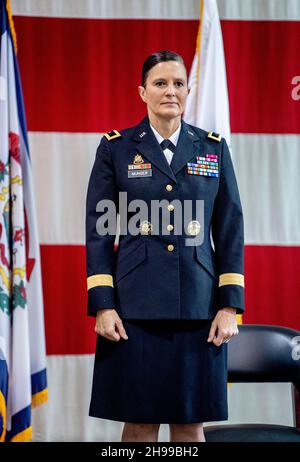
x=23 y=382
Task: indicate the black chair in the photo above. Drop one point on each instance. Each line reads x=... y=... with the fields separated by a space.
x=262 y=353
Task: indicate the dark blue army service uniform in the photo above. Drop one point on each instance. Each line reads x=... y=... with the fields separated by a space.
x=165 y=292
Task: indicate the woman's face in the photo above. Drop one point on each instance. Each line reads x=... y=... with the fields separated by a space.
x=166 y=90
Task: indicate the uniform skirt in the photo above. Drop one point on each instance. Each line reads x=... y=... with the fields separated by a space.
x=165 y=372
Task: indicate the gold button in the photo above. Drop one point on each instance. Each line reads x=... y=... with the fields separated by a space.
x=170 y=207
x=170 y=227
x=170 y=248
x=169 y=187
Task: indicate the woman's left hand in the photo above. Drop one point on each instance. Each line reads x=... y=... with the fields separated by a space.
x=223 y=327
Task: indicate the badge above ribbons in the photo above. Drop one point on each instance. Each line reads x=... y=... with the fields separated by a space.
x=139 y=168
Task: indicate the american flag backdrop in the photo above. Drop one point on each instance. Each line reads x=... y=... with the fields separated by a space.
x=80 y=64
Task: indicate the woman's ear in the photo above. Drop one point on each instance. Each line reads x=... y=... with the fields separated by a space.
x=142 y=91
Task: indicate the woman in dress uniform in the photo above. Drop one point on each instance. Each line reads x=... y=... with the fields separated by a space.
x=165 y=300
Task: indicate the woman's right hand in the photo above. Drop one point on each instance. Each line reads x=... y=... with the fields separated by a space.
x=109 y=325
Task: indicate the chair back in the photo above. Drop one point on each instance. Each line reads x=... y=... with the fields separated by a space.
x=264 y=353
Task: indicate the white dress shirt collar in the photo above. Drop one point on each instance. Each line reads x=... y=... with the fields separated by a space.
x=174 y=137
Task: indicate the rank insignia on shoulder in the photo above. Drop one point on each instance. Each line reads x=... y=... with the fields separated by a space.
x=214 y=136
x=112 y=135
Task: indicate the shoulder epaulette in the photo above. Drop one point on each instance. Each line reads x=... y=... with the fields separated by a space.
x=112 y=135
x=214 y=136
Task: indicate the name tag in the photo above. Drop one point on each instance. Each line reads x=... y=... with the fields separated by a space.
x=140 y=173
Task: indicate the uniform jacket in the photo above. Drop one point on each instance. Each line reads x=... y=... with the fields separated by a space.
x=157 y=276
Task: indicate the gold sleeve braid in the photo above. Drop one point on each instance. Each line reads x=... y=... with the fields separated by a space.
x=231 y=278
x=99 y=280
